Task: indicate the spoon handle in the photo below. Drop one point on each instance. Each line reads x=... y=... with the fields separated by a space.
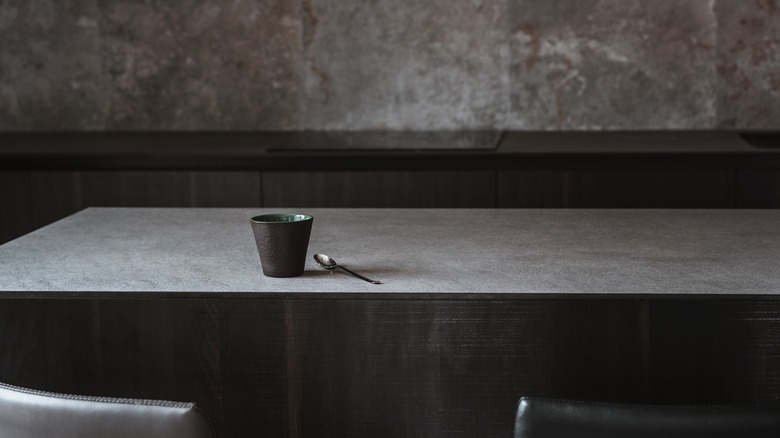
x=354 y=274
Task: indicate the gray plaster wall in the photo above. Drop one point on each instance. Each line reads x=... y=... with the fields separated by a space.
x=390 y=64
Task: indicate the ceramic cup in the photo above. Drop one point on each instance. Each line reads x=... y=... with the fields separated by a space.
x=282 y=240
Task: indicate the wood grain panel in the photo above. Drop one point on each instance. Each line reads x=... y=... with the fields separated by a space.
x=225 y=355
x=392 y=367
x=431 y=368
x=59 y=194
x=379 y=189
x=758 y=189
x=15 y=208
x=50 y=345
x=616 y=189
x=457 y=368
x=253 y=366
x=714 y=351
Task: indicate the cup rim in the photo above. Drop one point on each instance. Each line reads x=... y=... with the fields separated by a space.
x=259 y=218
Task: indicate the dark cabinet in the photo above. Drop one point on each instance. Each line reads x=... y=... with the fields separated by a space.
x=33 y=199
x=56 y=194
x=616 y=189
x=758 y=189
x=47 y=176
x=418 y=189
x=15 y=208
x=373 y=367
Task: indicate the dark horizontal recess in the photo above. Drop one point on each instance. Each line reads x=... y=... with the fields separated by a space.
x=390 y=141
x=374 y=151
x=396 y=161
x=377 y=151
x=769 y=140
x=389 y=296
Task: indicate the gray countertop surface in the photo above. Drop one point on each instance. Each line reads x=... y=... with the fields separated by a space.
x=115 y=251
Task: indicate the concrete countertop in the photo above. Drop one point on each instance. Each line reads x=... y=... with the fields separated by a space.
x=107 y=252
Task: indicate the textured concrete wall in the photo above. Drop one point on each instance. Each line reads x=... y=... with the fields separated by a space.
x=389 y=64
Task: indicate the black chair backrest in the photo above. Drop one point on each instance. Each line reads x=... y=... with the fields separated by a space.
x=550 y=418
x=27 y=413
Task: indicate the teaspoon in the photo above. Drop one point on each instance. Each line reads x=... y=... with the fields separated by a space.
x=328 y=263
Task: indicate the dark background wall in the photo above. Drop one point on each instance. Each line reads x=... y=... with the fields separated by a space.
x=254 y=65
x=359 y=64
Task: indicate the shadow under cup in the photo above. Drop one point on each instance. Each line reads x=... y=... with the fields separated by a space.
x=282 y=241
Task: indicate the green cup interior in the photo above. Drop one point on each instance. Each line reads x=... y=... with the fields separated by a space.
x=281 y=217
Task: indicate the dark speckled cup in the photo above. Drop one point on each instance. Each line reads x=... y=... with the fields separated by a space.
x=282 y=241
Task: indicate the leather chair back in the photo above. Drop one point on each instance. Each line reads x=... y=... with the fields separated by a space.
x=27 y=413
x=549 y=418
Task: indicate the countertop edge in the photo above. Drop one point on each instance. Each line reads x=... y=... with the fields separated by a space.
x=422 y=296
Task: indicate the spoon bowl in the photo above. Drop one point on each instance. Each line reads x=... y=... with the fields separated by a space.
x=325 y=261
x=328 y=263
